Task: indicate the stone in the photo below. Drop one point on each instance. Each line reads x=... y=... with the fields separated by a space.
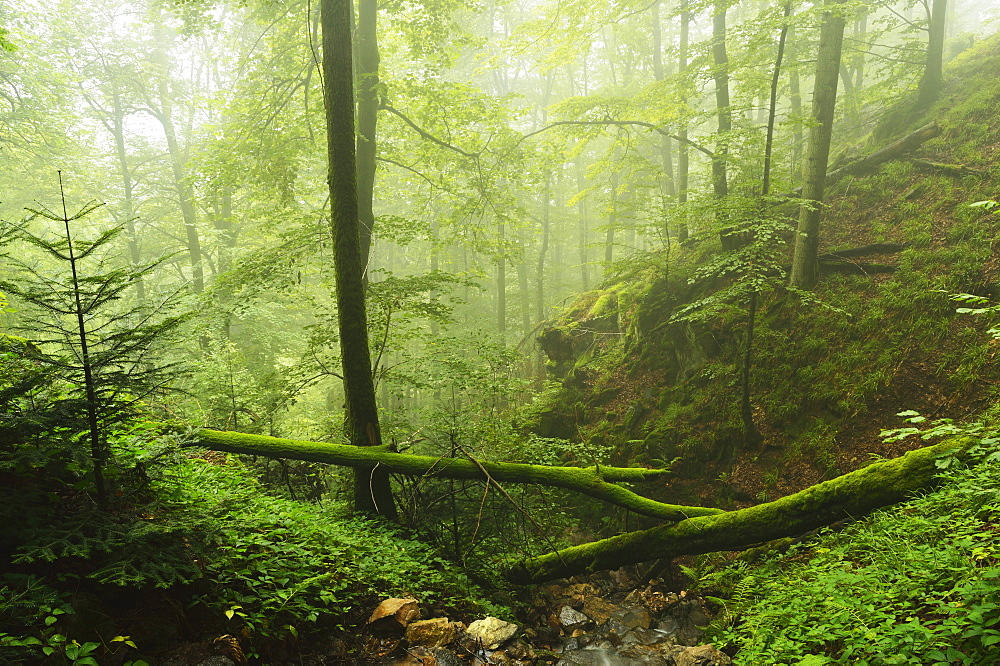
x=702 y=655
x=668 y=626
x=436 y=632
x=597 y=609
x=572 y=619
x=492 y=632
x=446 y=658
x=217 y=660
x=394 y=614
x=634 y=617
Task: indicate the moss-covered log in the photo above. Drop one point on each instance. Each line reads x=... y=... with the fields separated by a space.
x=847 y=496
x=593 y=481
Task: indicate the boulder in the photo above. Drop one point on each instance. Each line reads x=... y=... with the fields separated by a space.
x=436 y=632
x=572 y=619
x=393 y=614
x=702 y=655
x=491 y=632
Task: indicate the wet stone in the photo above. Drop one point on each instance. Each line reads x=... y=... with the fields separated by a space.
x=571 y=618
x=633 y=618
x=597 y=609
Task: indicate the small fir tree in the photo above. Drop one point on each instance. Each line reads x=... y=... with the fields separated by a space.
x=100 y=353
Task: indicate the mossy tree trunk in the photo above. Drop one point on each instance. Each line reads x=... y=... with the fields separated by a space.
x=372 y=491
x=599 y=482
x=367 y=98
x=846 y=497
x=805 y=263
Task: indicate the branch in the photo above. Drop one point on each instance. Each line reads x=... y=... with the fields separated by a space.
x=625 y=123
x=427 y=135
x=848 y=496
x=592 y=481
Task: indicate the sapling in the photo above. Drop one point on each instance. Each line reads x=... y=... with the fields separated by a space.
x=102 y=354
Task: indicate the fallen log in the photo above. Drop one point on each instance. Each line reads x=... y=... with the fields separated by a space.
x=852 y=268
x=847 y=496
x=949 y=169
x=868 y=163
x=864 y=251
x=595 y=482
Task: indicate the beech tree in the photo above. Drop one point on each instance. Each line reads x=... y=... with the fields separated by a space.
x=933 y=79
x=805 y=262
x=372 y=490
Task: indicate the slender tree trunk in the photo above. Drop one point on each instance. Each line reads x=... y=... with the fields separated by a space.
x=178 y=160
x=724 y=113
x=524 y=294
x=933 y=78
x=669 y=186
x=543 y=250
x=372 y=491
x=682 y=133
x=581 y=209
x=609 y=239
x=502 y=281
x=128 y=205
x=795 y=101
x=366 y=48
x=805 y=262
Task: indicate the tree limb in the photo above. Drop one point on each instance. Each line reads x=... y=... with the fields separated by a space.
x=847 y=496
x=427 y=135
x=625 y=123
x=592 y=481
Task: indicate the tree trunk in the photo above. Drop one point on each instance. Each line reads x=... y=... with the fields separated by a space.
x=609 y=239
x=366 y=48
x=683 y=165
x=795 y=103
x=372 y=491
x=596 y=482
x=724 y=113
x=933 y=79
x=502 y=280
x=805 y=265
x=669 y=187
x=178 y=160
x=581 y=208
x=845 y=497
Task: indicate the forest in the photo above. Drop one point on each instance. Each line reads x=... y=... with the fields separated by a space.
x=499 y=332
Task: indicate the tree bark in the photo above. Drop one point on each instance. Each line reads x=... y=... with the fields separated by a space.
x=367 y=98
x=372 y=492
x=846 y=497
x=593 y=481
x=683 y=160
x=724 y=114
x=933 y=78
x=659 y=73
x=805 y=265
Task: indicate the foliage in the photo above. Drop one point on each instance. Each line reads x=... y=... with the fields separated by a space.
x=101 y=354
x=916 y=584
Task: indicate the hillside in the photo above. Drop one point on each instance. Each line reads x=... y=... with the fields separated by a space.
x=829 y=376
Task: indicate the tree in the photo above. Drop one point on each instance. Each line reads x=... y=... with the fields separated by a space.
x=805 y=262
x=103 y=356
x=933 y=79
x=372 y=490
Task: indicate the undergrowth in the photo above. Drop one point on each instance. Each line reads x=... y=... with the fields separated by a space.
x=241 y=561
x=915 y=584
